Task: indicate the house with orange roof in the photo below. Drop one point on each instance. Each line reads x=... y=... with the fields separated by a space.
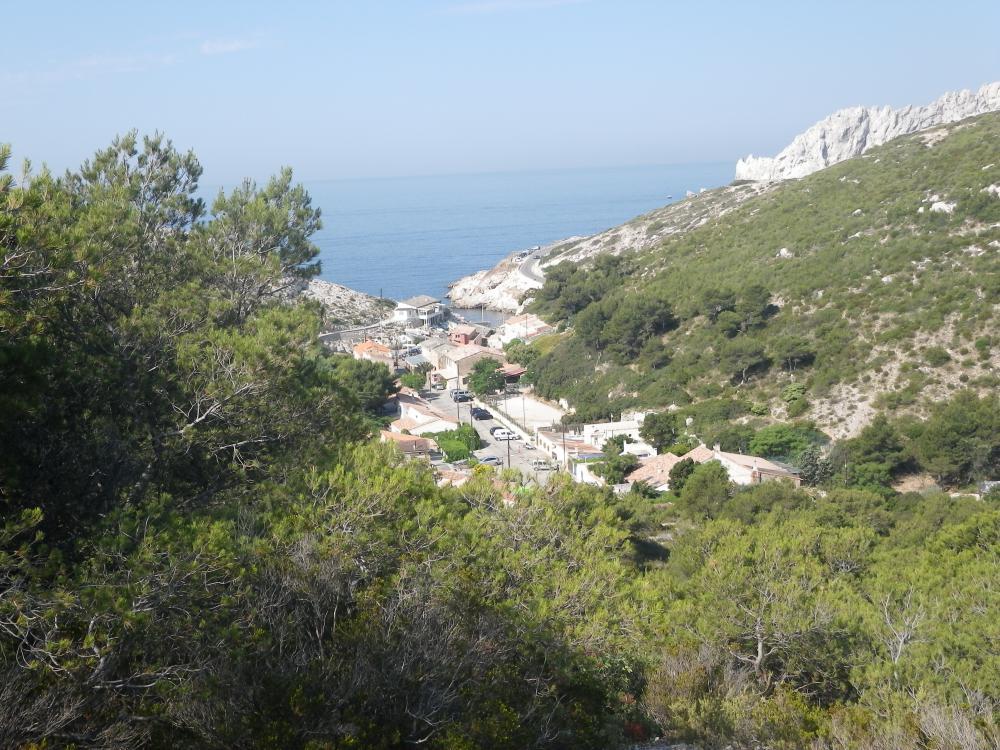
x=374 y=352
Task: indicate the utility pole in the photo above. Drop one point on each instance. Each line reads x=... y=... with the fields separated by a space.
x=508 y=453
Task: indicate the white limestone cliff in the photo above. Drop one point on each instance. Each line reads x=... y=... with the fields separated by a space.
x=850 y=132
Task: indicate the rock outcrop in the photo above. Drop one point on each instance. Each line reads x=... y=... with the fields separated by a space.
x=343 y=307
x=499 y=288
x=850 y=132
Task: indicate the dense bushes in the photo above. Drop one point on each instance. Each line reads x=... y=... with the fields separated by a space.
x=198 y=546
x=458 y=444
x=789 y=623
x=856 y=291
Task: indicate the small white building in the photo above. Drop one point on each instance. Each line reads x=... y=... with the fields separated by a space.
x=417 y=418
x=525 y=327
x=599 y=433
x=422 y=310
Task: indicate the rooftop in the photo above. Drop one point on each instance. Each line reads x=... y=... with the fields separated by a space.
x=655 y=471
x=373 y=347
x=421 y=300
x=413 y=442
x=471 y=350
x=703 y=453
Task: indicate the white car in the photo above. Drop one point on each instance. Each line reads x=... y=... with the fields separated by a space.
x=505 y=435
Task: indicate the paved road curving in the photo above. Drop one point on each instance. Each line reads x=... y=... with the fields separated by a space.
x=531 y=269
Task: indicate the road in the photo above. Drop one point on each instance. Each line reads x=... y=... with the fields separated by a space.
x=520 y=456
x=531 y=269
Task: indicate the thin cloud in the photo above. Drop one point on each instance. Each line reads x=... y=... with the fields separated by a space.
x=484 y=7
x=227 y=46
x=91 y=66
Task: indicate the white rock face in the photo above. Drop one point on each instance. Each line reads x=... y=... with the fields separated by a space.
x=850 y=132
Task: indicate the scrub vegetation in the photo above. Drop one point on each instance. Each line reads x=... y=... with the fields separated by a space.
x=202 y=545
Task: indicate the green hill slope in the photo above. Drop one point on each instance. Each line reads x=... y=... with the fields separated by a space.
x=871 y=285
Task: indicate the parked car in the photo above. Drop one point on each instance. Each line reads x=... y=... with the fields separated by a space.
x=491 y=461
x=541 y=464
x=503 y=434
x=496 y=428
x=480 y=413
x=459 y=395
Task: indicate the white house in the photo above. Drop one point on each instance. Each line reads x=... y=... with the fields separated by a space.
x=565 y=447
x=417 y=418
x=421 y=310
x=744 y=470
x=598 y=434
x=525 y=327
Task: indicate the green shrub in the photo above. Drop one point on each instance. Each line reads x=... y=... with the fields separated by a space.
x=936 y=356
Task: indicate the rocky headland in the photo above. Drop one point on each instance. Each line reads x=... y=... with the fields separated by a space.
x=850 y=132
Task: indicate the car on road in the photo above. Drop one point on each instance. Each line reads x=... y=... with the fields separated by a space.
x=480 y=413
x=459 y=395
x=541 y=464
x=496 y=428
x=503 y=434
x=491 y=461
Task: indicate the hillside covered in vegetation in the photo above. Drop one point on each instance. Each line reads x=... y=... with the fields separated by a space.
x=871 y=286
x=202 y=545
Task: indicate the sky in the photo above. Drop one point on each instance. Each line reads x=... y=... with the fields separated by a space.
x=370 y=88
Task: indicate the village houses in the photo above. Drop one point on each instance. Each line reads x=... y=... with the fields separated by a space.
x=416 y=416
x=373 y=351
x=525 y=327
x=420 y=311
x=743 y=470
x=411 y=446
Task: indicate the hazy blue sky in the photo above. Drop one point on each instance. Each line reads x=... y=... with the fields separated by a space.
x=368 y=88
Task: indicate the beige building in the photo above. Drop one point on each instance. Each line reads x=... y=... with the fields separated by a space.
x=411 y=446
x=458 y=362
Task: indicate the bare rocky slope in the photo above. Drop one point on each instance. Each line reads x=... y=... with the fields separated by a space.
x=344 y=307
x=850 y=132
x=506 y=286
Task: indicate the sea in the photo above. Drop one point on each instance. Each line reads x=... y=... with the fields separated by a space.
x=398 y=237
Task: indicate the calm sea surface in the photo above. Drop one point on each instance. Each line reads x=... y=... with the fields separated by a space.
x=404 y=236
